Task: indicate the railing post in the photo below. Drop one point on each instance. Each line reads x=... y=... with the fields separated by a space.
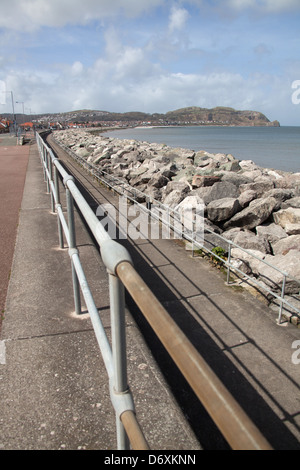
x=72 y=246
x=281 y=301
x=117 y=313
x=228 y=262
x=51 y=180
x=57 y=197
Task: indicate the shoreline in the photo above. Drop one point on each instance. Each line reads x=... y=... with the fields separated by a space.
x=274 y=149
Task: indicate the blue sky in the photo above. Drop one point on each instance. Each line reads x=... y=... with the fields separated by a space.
x=151 y=55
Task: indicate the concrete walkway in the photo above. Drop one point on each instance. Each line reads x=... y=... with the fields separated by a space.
x=53 y=384
x=13 y=165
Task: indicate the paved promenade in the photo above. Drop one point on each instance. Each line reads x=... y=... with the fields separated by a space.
x=53 y=386
x=53 y=383
x=13 y=165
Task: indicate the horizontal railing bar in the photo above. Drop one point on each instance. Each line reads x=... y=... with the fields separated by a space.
x=95 y=225
x=134 y=431
x=236 y=427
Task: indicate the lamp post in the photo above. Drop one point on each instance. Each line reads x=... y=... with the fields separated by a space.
x=22 y=102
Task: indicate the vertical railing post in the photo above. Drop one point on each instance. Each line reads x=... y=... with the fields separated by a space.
x=228 y=261
x=117 y=312
x=57 y=197
x=47 y=168
x=72 y=245
x=281 y=299
x=51 y=180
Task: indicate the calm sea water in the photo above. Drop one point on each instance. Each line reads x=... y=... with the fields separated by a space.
x=268 y=147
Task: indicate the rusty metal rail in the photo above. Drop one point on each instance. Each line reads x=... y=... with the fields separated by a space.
x=234 y=424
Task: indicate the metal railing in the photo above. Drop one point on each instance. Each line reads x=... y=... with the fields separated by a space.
x=234 y=424
x=171 y=218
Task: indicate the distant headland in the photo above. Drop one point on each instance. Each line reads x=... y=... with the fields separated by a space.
x=190 y=116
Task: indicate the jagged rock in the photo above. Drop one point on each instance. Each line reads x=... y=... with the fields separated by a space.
x=83 y=152
x=234 y=178
x=222 y=209
x=185 y=174
x=280 y=195
x=248 y=240
x=293 y=202
x=158 y=180
x=200 y=181
x=175 y=192
x=106 y=154
x=283 y=246
x=292 y=229
x=289 y=264
x=231 y=166
x=246 y=197
x=248 y=165
x=231 y=233
x=255 y=214
x=259 y=187
x=272 y=232
x=253 y=258
x=290 y=181
x=290 y=215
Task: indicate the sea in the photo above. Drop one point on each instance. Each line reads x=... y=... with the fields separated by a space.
x=269 y=147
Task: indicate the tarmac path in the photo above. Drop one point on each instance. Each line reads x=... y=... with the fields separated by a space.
x=235 y=333
x=13 y=165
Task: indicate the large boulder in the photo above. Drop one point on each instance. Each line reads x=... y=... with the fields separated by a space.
x=289 y=264
x=291 y=215
x=293 y=202
x=222 y=209
x=284 y=246
x=255 y=214
x=158 y=181
x=174 y=193
x=200 y=181
x=246 y=197
x=272 y=232
x=248 y=240
x=259 y=187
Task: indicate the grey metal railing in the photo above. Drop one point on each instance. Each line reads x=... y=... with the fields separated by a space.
x=235 y=425
x=171 y=218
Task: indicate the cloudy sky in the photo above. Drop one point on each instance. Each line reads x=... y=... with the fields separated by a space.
x=151 y=55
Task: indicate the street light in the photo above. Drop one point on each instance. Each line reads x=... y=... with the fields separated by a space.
x=22 y=102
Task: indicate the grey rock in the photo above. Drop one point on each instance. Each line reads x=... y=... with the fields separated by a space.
x=260 y=188
x=272 y=232
x=246 y=197
x=291 y=215
x=222 y=209
x=282 y=247
x=292 y=229
x=248 y=240
x=289 y=264
x=255 y=214
x=293 y=202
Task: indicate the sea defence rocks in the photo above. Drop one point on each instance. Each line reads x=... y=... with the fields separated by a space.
x=256 y=208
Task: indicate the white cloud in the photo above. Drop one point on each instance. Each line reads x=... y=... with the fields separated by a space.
x=178 y=18
x=32 y=14
x=268 y=6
